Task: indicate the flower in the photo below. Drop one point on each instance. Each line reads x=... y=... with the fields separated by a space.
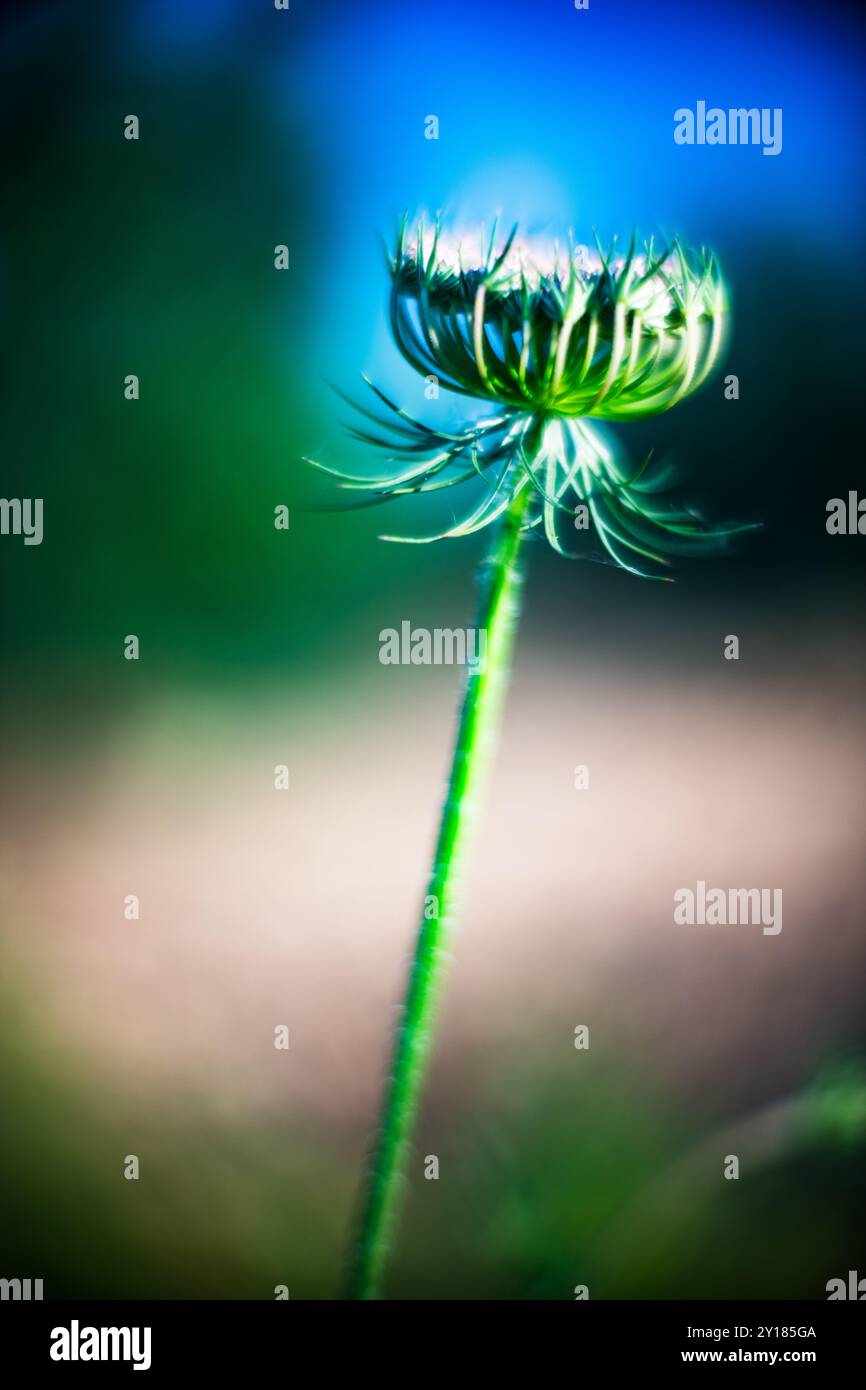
x=572 y=333
x=554 y=337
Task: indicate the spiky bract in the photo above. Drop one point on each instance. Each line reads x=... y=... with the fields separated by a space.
x=573 y=332
x=554 y=338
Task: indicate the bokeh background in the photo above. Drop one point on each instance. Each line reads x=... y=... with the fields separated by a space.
x=260 y=647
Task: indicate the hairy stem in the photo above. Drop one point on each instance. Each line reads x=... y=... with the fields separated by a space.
x=500 y=583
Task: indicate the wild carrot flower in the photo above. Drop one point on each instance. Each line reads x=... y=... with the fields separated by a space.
x=553 y=337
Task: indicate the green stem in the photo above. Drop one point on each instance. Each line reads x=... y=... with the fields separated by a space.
x=500 y=584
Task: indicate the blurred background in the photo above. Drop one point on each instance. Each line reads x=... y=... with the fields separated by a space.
x=260 y=647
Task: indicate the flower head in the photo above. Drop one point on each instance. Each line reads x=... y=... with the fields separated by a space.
x=568 y=331
x=554 y=336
